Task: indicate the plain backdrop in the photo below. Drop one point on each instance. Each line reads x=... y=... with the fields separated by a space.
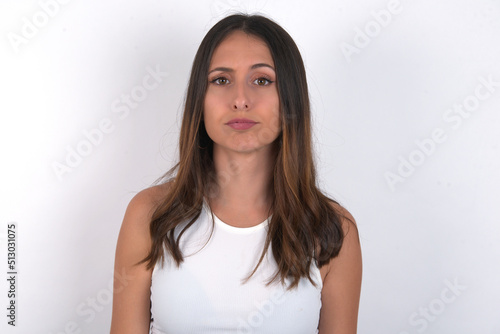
x=406 y=114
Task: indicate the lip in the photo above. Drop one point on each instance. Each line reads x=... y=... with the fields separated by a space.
x=241 y=123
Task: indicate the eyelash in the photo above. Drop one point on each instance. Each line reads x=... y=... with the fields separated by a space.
x=269 y=81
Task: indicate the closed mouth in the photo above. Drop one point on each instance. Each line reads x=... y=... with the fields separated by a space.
x=241 y=120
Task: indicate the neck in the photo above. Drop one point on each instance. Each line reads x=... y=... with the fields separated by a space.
x=244 y=179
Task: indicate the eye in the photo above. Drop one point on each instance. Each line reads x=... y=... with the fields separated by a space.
x=263 y=81
x=221 y=81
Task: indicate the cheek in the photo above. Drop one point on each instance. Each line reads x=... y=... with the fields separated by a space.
x=275 y=103
x=272 y=127
x=268 y=101
x=275 y=117
x=209 y=108
x=207 y=104
x=212 y=116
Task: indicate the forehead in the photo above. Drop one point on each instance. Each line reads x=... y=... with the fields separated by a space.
x=241 y=48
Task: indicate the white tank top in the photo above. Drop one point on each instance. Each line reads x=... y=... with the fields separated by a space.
x=205 y=294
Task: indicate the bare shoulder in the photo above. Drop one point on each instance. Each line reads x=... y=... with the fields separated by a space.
x=131 y=300
x=348 y=222
x=143 y=204
x=350 y=253
x=134 y=240
x=150 y=197
x=342 y=285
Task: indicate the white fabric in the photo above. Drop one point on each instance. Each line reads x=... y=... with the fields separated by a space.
x=205 y=294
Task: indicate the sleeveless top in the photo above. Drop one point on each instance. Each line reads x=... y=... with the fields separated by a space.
x=205 y=295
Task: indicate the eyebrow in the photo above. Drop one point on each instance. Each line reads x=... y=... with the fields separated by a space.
x=253 y=67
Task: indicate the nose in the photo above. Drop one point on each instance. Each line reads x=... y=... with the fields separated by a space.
x=241 y=100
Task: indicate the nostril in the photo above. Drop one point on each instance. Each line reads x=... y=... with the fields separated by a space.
x=236 y=106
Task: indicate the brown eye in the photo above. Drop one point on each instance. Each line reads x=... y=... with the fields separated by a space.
x=220 y=81
x=262 y=81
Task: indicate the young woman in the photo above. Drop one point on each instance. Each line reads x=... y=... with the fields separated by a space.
x=239 y=238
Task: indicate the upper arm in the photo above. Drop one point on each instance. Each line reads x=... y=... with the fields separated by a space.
x=131 y=290
x=342 y=285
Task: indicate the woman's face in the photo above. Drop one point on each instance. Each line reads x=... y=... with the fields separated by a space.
x=241 y=111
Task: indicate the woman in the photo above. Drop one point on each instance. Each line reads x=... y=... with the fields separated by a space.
x=240 y=239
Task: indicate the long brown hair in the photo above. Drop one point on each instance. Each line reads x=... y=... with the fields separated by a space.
x=303 y=219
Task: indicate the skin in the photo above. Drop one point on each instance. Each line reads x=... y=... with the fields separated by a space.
x=242 y=158
x=243 y=161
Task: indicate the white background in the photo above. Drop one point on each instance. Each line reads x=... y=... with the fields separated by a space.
x=437 y=226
